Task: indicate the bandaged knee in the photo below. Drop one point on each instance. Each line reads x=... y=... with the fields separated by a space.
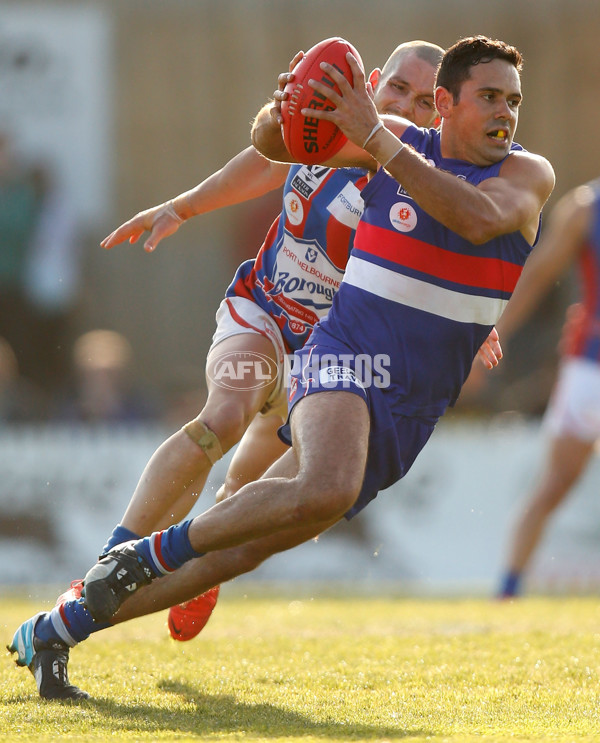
x=206 y=439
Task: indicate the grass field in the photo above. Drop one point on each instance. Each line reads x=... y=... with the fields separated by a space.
x=283 y=669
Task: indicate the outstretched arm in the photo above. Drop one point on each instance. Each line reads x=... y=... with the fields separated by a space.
x=564 y=237
x=246 y=176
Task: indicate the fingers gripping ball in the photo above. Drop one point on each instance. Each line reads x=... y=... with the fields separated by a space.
x=310 y=140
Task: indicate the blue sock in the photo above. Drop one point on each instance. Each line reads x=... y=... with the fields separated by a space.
x=119 y=535
x=510 y=584
x=165 y=551
x=70 y=623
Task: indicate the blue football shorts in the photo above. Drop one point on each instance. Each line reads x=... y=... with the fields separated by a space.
x=395 y=439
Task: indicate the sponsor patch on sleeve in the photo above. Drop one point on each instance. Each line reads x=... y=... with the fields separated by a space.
x=330 y=376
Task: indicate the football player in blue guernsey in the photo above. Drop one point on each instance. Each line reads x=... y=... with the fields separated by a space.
x=313 y=485
x=270 y=309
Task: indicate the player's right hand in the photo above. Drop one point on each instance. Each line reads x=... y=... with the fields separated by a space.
x=160 y=221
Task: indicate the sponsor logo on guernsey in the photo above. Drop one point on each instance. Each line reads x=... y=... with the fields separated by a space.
x=293 y=208
x=304 y=274
x=403 y=216
x=347 y=207
x=308 y=179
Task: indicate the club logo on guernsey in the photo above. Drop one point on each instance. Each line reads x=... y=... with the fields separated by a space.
x=403 y=217
x=311 y=255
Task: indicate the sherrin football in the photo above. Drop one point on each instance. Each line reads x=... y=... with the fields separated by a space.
x=310 y=140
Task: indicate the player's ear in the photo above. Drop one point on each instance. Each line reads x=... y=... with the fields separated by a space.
x=443 y=101
x=374 y=77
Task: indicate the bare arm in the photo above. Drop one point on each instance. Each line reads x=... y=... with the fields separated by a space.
x=512 y=202
x=508 y=203
x=246 y=176
x=564 y=237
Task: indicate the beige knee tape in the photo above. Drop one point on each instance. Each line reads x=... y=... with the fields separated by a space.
x=206 y=439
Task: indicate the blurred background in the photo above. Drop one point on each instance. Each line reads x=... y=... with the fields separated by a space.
x=111 y=106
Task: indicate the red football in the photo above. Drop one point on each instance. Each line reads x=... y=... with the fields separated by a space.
x=310 y=140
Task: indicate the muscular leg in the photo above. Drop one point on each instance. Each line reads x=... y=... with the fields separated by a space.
x=330 y=433
x=178 y=469
x=566 y=460
x=203 y=573
x=321 y=481
x=304 y=492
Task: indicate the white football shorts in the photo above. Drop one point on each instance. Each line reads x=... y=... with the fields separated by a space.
x=574 y=407
x=238 y=315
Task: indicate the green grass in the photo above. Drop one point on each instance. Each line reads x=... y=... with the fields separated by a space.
x=323 y=669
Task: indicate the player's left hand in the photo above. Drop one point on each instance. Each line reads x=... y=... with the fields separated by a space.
x=490 y=351
x=280 y=95
x=160 y=221
x=354 y=113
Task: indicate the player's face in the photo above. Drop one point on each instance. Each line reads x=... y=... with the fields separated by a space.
x=406 y=90
x=480 y=127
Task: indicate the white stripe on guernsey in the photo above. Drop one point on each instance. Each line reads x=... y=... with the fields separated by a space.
x=420 y=295
x=61 y=628
x=157 y=563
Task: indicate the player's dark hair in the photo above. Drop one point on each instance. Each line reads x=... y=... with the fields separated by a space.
x=458 y=60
